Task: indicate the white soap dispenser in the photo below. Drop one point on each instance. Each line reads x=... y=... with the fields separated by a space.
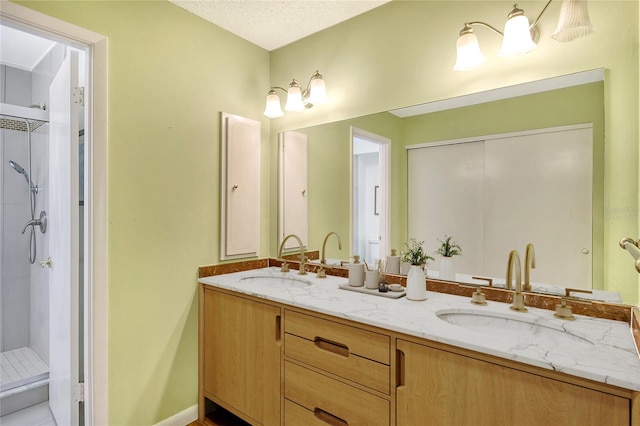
x=356 y=272
x=393 y=263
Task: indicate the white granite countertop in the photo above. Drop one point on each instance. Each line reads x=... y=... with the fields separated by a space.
x=597 y=349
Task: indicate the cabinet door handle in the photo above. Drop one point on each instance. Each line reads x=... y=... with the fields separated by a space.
x=278 y=329
x=328 y=345
x=400 y=375
x=329 y=418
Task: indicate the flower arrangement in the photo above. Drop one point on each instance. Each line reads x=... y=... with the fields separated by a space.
x=415 y=254
x=449 y=248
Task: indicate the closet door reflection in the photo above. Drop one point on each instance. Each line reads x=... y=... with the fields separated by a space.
x=500 y=194
x=538 y=190
x=445 y=196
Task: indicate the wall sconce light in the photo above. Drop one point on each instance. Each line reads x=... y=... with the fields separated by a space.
x=297 y=99
x=519 y=37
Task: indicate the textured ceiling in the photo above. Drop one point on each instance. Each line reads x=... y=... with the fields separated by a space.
x=273 y=24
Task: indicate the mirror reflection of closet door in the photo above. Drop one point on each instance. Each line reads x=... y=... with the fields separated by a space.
x=504 y=192
x=445 y=197
x=538 y=189
x=293 y=192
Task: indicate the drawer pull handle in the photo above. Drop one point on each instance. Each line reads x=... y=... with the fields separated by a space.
x=328 y=345
x=278 y=329
x=328 y=417
x=400 y=372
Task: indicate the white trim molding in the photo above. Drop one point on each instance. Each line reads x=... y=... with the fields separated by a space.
x=545 y=85
x=565 y=128
x=182 y=418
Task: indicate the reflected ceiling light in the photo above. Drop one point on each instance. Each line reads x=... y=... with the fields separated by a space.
x=519 y=35
x=297 y=99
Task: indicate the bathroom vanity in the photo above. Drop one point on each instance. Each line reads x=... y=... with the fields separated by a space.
x=285 y=349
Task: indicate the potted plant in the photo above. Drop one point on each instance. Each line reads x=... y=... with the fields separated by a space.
x=415 y=256
x=448 y=248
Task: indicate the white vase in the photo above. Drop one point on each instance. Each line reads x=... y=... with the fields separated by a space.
x=446 y=269
x=416 y=284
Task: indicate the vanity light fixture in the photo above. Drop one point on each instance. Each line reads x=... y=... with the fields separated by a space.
x=297 y=99
x=519 y=37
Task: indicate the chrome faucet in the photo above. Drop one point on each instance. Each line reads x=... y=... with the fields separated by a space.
x=518 y=297
x=529 y=263
x=303 y=259
x=323 y=262
x=41 y=223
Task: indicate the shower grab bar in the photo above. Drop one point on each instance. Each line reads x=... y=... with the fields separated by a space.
x=633 y=247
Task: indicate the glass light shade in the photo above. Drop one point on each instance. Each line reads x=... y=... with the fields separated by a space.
x=517 y=37
x=294 y=98
x=272 y=108
x=574 y=21
x=317 y=91
x=469 y=54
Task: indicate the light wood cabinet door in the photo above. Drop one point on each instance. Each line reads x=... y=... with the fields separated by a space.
x=436 y=387
x=242 y=355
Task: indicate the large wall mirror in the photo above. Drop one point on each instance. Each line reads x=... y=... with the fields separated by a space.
x=330 y=173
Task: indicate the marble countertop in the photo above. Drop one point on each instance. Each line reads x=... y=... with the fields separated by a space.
x=592 y=348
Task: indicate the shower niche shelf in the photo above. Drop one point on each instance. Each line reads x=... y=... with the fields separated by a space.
x=15 y=117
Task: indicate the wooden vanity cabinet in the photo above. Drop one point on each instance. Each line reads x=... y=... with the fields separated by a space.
x=436 y=387
x=335 y=374
x=271 y=365
x=240 y=356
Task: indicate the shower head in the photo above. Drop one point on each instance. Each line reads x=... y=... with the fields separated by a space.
x=18 y=168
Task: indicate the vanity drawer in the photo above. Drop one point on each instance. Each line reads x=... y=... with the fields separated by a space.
x=349 y=352
x=320 y=400
x=321 y=355
x=366 y=344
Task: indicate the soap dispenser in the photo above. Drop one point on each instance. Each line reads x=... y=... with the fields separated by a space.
x=356 y=272
x=393 y=263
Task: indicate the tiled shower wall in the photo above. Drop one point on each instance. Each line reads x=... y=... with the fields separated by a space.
x=24 y=297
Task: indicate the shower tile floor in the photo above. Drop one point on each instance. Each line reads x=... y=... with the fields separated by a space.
x=36 y=415
x=19 y=367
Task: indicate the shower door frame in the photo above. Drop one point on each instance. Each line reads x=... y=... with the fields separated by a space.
x=96 y=258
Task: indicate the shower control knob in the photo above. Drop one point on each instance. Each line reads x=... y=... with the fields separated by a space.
x=45 y=263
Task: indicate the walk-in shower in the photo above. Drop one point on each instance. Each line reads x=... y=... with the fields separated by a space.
x=28 y=126
x=24 y=345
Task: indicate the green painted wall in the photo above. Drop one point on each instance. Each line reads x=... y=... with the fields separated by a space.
x=403 y=52
x=170 y=75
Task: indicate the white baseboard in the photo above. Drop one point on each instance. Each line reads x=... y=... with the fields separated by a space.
x=182 y=418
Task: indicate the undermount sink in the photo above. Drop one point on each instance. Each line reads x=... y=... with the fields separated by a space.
x=284 y=279
x=514 y=330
